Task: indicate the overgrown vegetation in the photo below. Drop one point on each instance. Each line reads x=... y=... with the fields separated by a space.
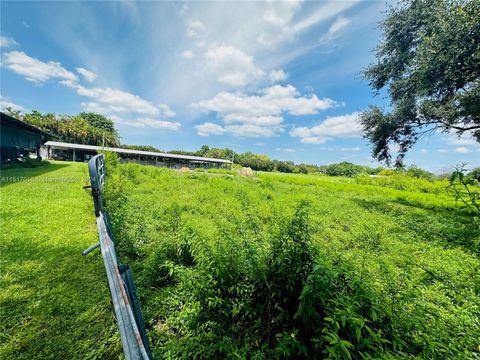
x=297 y=266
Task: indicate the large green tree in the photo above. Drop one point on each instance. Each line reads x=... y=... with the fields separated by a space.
x=85 y=128
x=429 y=63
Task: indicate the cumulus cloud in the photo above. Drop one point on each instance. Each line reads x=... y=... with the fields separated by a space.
x=465 y=139
x=277 y=23
x=108 y=100
x=261 y=115
x=253 y=131
x=270 y=102
x=195 y=28
x=7 y=103
x=86 y=74
x=7 y=41
x=277 y=76
x=232 y=66
x=463 y=150
x=34 y=69
x=187 y=54
x=209 y=128
x=343 y=126
x=350 y=149
x=286 y=150
x=148 y=122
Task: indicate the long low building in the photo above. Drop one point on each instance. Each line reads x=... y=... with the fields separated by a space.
x=78 y=152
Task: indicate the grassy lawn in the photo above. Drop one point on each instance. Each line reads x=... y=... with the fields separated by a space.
x=54 y=303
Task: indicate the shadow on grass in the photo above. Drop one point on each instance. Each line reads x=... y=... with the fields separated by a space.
x=24 y=174
x=449 y=228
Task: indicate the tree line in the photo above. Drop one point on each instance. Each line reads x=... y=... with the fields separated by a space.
x=95 y=129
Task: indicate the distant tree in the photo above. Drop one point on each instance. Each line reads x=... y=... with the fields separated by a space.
x=254 y=161
x=284 y=166
x=218 y=153
x=475 y=174
x=17 y=114
x=203 y=150
x=415 y=171
x=98 y=121
x=429 y=61
x=141 y=147
x=345 y=169
x=73 y=129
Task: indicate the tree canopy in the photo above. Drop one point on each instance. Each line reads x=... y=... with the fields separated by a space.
x=429 y=63
x=84 y=128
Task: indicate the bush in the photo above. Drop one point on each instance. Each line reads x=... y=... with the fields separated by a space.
x=418 y=173
x=344 y=169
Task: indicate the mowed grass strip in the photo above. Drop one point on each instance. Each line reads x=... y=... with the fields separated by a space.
x=54 y=303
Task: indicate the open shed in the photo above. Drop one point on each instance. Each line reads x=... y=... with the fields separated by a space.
x=79 y=152
x=19 y=139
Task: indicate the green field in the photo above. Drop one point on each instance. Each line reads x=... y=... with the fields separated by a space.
x=292 y=266
x=273 y=266
x=54 y=303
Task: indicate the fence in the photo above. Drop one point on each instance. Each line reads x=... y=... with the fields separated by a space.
x=120 y=280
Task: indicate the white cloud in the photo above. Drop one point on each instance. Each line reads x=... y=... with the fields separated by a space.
x=34 y=69
x=463 y=150
x=108 y=100
x=277 y=75
x=327 y=11
x=423 y=151
x=159 y=124
x=262 y=114
x=343 y=126
x=350 y=149
x=187 y=54
x=243 y=130
x=465 y=139
x=195 y=28
x=286 y=150
x=148 y=122
x=232 y=66
x=7 y=41
x=443 y=151
x=7 y=103
x=209 y=128
x=271 y=101
x=339 y=24
x=166 y=111
x=276 y=26
x=253 y=131
x=87 y=75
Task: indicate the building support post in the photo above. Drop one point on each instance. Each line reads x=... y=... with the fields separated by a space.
x=74 y=155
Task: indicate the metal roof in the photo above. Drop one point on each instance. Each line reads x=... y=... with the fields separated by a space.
x=10 y=120
x=134 y=152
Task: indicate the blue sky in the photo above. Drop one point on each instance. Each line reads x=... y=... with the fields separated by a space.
x=278 y=78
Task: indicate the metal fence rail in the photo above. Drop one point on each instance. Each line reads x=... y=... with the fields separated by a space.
x=120 y=279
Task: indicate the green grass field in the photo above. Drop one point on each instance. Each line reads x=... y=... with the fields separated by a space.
x=274 y=266
x=54 y=303
x=298 y=266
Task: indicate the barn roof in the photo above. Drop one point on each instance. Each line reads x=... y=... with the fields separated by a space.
x=134 y=152
x=10 y=120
